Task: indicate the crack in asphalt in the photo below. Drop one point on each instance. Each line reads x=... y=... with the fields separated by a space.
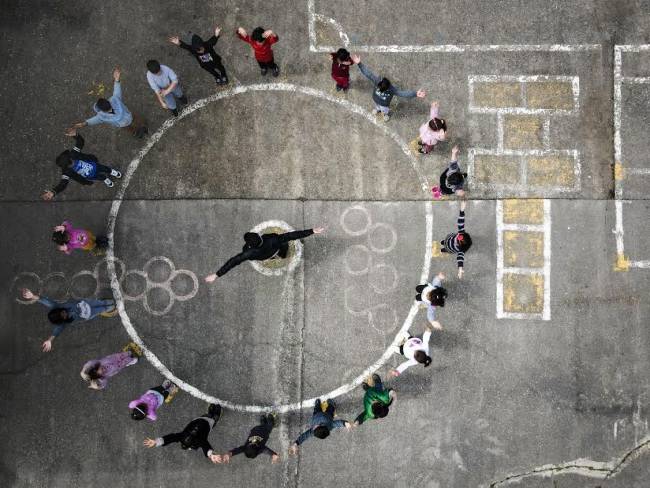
x=583 y=467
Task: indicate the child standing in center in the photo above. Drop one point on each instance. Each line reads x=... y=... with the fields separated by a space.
x=341 y=62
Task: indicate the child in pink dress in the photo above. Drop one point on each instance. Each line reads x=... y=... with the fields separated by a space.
x=97 y=371
x=151 y=400
x=68 y=238
x=432 y=132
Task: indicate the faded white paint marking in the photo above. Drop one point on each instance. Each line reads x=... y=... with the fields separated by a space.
x=132 y=168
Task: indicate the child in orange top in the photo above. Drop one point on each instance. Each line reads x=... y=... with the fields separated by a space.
x=261 y=41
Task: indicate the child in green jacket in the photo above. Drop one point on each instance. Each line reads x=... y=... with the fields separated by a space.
x=376 y=400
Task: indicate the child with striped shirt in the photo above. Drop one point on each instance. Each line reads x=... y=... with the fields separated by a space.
x=459 y=242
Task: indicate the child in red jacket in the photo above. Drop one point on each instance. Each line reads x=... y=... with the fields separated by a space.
x=341 y=62
x=261 y=41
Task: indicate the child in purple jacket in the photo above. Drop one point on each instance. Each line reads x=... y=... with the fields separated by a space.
x=67 y=238
x=149 y=402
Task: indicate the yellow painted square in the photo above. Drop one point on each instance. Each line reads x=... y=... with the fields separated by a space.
x=523 y=212
x=497 y=95
x=551 y=171
x=553 y=95
x=523 y=293
x=523 y=249
x=499 y=170
x=523 y=132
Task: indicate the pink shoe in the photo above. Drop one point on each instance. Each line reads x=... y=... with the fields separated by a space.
x=436 y=192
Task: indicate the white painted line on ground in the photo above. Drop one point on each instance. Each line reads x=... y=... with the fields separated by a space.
x=524 y=227
x=547 y=260
x=499 y=293
x=621 y=170
x=132 y=168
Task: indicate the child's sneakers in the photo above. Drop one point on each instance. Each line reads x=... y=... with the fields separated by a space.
x=116 y=173
x=275 y=71
x=215 y=411
x=386 y=117
x=273 y=417
x=171 y=388
x=133 y=348
x=264 y=71
x=109 y=183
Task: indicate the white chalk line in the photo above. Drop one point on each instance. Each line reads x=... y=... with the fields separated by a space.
x=117 y=202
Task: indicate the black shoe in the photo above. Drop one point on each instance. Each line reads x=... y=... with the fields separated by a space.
x=174 y=111
x=183 y=99
x=214 y=411
x=224 y=80
x=339 y=88
x=365 y=386
x=276 y=71
x=376 y=378
x=264 y=71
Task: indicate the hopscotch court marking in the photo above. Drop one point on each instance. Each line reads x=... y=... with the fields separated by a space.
x=533 y=280
x=133 y=166
x=523 y=145
x=623 y=263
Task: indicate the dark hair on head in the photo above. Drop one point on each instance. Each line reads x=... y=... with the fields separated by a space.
x=59 y=316
x=197 y=42
x=104 y=105
x=252 y=239
x=379 y=410
x=321 y=432
x=464 y=241
x=61 y=237
x=383 y=85
x=153 y=66
x=422 y=358
x=256 y=35
x=437 y=124
x=139 y=411
x=252 y=450
x=93 y=372
x=437 y=296
x=456 y=178
x=63 y=160
x=343 y=54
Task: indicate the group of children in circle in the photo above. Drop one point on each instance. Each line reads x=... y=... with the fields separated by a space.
x=85 y=168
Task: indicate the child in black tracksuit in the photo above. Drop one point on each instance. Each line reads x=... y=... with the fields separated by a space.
x=256 y=442
x=262 y=247
x=194 y=435
x=81 y=167
x=204 y=53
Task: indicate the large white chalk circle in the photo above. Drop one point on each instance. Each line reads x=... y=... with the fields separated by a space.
x=132 y=168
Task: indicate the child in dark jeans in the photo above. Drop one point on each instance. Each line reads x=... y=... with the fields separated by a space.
x=81 y=167
x=204 y=53
x=148 y=404
x=321 y=424
x=261 y=41
x=256 y=442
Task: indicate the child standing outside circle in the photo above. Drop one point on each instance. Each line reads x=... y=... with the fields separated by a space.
x=204 y=53
x=376 y=400
x=164 y=83
x=341 y=62
x=81 y=167
x=151 y=400
x=384 y=90
x=97 y=372
x=432 y=295
x=433 y=131
x=415 y=350
x=68 y=239
x=458 y=243
x=452 y=179
x=261 y=41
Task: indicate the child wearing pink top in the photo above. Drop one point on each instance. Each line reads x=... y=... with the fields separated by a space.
x=68 y=238
x=149 y=402
x=432 y=132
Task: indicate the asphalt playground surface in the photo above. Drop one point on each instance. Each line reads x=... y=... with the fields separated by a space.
x=540 y=374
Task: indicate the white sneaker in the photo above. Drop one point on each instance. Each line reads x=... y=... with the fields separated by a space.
x=108 y=182
x=116 y=173
x=386 y=117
